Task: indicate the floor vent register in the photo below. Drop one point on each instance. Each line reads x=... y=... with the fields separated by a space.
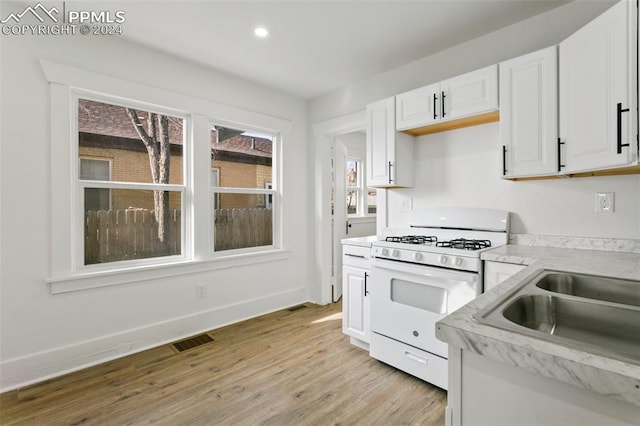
x=192 y=342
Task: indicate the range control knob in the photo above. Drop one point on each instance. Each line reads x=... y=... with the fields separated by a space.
x=443 y=259
x=385 y=252
x=395 y=253
x=417 y=256
x=458 y=261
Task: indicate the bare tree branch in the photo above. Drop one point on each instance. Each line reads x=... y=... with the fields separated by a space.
x=133 y=115
x=156 y=140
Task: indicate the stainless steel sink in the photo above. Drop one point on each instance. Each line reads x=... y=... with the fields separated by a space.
x=595 y=314
x=592 y=287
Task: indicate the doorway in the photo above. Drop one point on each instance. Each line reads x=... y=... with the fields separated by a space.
x=353 y=204
x=325 y=289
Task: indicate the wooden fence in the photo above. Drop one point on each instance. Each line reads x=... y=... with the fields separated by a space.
x=113 y=235
x=241 y=228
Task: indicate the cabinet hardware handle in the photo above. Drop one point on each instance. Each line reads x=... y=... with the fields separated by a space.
x=415 y=358
x=560 y=165
x=366 y=291
x=442 y=102
x=504 y=160
x=435 y=99
x=390 y=180
x=619 y=116
x=347 y=227
x=359 y=256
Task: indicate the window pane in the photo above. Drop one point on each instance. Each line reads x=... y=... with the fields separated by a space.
x=352 y=201
x=97 y=199
x=352 y=172
x=96 y=169
x=372 y=201
x=91 y=169
x=242 y=221
x=130 y=229
x=244 y=159
x=106 y=130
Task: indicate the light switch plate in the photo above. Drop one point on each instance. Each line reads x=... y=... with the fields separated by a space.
x=605 y=202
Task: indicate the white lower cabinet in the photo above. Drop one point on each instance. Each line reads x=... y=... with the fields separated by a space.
x=484 y=391
x=355 y=299
x=497 y=272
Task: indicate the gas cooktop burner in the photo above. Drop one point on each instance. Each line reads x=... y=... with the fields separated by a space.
x=462 y=243
x=412 y=239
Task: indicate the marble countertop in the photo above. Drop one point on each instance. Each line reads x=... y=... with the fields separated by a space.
x=601 y=374
x=360 y=241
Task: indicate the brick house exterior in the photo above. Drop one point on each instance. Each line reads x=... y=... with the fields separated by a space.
x=107 y=134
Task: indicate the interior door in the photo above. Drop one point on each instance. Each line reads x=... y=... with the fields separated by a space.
x=339 y=215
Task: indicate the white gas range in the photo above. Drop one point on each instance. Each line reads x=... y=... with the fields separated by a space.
x=419 y=278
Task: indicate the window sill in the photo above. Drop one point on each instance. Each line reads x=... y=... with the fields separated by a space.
x=91 y=280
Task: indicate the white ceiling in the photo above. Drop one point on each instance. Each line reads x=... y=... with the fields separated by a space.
x=314 y=46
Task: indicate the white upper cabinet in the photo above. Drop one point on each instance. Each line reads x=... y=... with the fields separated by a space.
x=462 y=96
x=529 y=114
x=469 y=94
x=598 y=92
x=418 y=107
x=389 y=153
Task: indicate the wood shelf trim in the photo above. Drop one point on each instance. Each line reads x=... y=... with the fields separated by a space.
x=474 y=120
x=631 y=170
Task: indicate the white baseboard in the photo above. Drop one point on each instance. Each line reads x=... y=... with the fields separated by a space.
x=37 y=367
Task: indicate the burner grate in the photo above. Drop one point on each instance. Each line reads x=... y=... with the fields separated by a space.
x=412 y=239
x=462 y=243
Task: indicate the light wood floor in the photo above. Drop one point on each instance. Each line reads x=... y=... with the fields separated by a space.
x=285 y=368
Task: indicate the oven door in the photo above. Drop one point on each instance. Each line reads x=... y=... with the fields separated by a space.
x=408 y=299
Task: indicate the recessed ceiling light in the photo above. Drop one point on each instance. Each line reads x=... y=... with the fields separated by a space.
x=261 y=32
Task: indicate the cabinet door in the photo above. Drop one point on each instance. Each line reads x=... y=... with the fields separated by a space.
x=469 y=94
x=595 y=69
x=497 y=272
x=418 y=107
x=529 y=113
x=380 y=142
x=389 y=153
x=355 y=304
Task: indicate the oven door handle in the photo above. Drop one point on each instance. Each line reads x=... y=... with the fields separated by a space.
x=424 y=270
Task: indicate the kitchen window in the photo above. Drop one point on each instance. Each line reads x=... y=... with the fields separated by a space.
x=103 y=182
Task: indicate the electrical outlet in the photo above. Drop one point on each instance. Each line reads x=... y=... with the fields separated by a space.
x=200 y=292
x=605 y=202
x=406 y=205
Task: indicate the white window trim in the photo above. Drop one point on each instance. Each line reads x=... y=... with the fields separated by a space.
x=64 y=81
